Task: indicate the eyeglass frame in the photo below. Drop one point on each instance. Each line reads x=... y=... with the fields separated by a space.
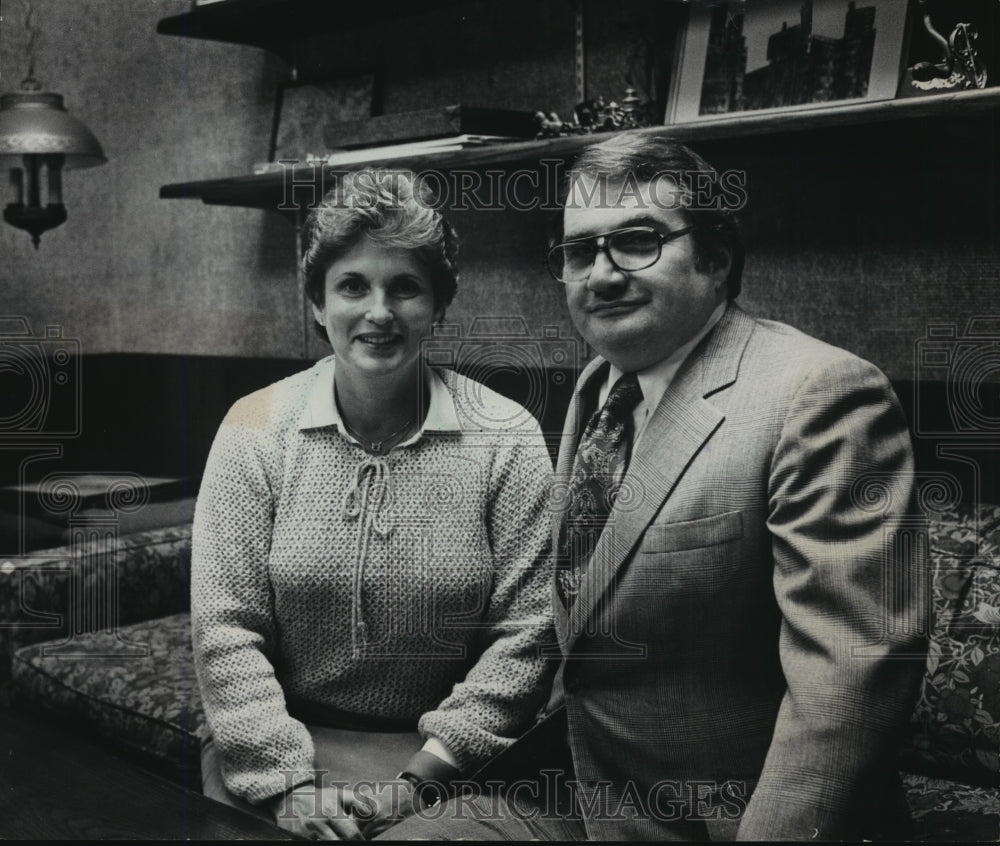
x=606 y=249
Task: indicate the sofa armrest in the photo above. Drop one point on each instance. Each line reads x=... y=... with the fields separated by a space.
x=956 y=720
x=100 y=583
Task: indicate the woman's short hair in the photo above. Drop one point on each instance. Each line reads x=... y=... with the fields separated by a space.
x=709 y=198
x=392 y=208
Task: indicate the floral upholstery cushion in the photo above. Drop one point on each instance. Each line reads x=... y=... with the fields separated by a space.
x=59 y=593
x=137 y=689
x=945 y=811
x=956 y=721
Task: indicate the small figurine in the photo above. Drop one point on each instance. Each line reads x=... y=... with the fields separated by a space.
x=960 y=66
x=597 y=115
x=588 y=111
x=632 y=109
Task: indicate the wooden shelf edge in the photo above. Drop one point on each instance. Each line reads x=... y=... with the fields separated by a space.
x=220 y=22
x=274 y=24
x=820 y=117
x=260 y=191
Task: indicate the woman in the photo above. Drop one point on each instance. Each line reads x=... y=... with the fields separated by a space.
x=370 y=538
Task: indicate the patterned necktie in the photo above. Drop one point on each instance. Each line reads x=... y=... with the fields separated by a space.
x=598 y=470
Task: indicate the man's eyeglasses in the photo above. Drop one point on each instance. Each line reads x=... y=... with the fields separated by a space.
x=634 y=248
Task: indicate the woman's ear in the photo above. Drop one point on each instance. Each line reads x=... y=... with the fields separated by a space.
x=318 y=314
x=439 y=316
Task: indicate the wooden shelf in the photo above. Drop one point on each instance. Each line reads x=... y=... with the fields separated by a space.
x=267 y=191
x=275 y=24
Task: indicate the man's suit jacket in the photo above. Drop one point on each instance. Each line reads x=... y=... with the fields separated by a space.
x=737 y=651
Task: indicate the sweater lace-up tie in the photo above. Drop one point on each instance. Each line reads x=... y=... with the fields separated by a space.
x=367 y=500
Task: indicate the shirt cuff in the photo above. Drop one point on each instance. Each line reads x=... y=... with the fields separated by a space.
x=436 y=747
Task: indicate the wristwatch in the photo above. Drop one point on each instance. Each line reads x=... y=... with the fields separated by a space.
x=430 y=776
x=429 y=791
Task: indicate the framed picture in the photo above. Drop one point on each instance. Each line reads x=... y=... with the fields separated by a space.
x=786 y=54
x=952 y=46
x=301 y=110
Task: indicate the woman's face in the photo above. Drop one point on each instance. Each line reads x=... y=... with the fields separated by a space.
x=378 y=306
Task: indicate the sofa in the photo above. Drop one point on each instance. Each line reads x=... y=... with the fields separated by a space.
x=96 y=634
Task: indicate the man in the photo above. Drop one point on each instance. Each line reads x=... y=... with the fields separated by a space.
x=740 y=635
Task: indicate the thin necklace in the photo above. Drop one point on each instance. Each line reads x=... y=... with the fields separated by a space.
x=376 y=446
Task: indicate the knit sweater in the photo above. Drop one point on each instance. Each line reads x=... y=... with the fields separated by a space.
x=413 y=586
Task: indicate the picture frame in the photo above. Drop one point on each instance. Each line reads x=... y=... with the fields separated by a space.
x=741 y=57
x=303 y=109
x=951 y=46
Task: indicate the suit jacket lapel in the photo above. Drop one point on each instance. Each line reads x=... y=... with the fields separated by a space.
x=675 y=433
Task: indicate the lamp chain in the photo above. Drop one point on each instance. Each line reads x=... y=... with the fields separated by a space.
x=29 y=83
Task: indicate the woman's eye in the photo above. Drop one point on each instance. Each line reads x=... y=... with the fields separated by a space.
x=351 y=287
x=406 y=288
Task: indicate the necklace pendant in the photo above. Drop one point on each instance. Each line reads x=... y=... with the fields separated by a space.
x=377 y=446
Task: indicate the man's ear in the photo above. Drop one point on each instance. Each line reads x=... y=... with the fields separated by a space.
x=717 y=262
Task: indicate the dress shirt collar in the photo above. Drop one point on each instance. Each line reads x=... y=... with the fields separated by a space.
x=655 y=379
x=321 y=410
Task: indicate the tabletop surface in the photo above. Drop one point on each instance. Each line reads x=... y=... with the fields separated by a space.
x=57 y=786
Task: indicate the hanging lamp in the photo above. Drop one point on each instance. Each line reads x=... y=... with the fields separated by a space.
x=38 y=139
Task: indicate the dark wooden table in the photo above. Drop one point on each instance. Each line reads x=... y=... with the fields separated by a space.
x=62 y=493
x=56 y=786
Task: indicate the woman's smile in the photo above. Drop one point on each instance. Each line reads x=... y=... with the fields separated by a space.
x=380 y=341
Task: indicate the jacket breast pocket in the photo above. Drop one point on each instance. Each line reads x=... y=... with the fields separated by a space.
x=693 y=534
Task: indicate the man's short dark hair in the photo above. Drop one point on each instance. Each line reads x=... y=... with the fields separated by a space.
x=709 y=200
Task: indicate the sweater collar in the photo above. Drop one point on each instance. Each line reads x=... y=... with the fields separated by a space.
x=320 y=410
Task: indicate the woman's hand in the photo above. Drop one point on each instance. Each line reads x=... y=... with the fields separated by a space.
x=381 y=805
x=317 y=813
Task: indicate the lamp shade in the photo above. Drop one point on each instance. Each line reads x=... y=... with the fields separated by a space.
x=37 y=122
